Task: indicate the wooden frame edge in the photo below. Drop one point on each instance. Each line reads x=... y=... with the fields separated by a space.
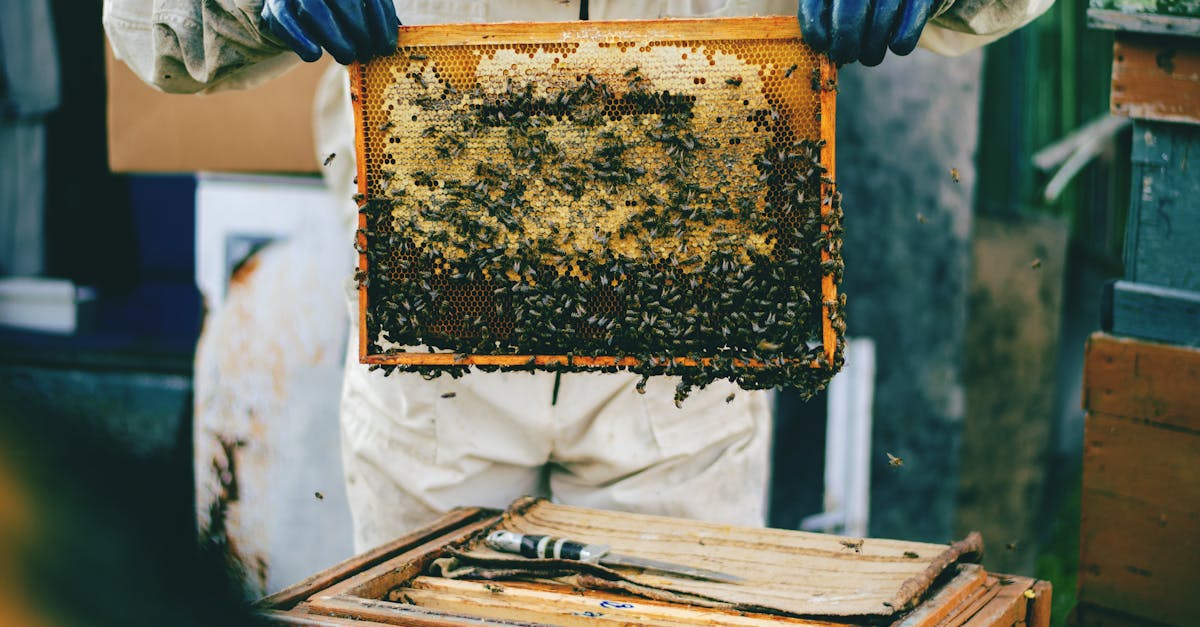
x=355 y=72
x=828 y=156
x=756 y=27
x=669 y=29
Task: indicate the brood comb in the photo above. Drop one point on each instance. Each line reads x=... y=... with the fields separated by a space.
x=650 y=195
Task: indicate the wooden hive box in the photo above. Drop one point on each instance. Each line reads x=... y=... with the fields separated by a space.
x=1140 y=533
x=391 y=586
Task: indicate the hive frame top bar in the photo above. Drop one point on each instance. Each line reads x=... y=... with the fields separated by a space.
x=608 y=31
x=474 y=34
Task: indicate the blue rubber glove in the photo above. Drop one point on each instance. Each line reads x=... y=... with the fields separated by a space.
x=863 y=30
x=351 y=30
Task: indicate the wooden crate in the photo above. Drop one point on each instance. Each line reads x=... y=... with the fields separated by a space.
x=1140 y=533
x=355 y=593
x=1155 y=63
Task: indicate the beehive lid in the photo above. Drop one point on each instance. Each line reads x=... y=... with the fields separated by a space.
x=655 y=195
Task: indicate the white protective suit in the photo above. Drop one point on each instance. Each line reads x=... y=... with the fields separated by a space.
x=411 y=454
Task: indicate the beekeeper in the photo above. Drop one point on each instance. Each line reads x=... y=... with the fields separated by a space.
x=410 y=453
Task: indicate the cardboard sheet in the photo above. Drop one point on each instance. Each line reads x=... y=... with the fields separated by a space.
x=265 y=129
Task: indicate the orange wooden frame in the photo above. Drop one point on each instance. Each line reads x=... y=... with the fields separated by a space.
x=541 y=32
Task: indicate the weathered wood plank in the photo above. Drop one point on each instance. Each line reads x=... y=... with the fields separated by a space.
x=790 y=572
x=1008 y=608
x=291 y=595
x=1143 y=461
x=667 y=29
x=1152 y=23
x=1143 y=380
x=1164 y=226
x=374 y=582
x=1139 y=555
x=562 y=606
x=947 y=599
x=388 y=613
x=1090 y=615
x=1156 y=77
x=1038 y=612
x=1151 y=312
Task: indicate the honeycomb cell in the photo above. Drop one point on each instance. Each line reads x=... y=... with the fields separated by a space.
x=624 y=198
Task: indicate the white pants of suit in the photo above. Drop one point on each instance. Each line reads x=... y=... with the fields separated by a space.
x=411 y=455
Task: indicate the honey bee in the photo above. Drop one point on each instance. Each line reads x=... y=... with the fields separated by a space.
x=735 y=81
x=856 y=545
x=729 y=399
x=449 y=395
x=911 y=555
x=788 y=73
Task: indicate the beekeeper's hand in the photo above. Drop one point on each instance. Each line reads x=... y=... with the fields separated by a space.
x=863 y=30
x=351 y=30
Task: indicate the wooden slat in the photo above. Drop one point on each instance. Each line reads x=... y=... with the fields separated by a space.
x=388 y=613
x=1139 y=556
x=1143 y=22
x=374 y=582
x=1163 y=227
x=464 y=359
x=277 y=617
x=1156 y=78
x=943 y=604
x=1143 y=380
x=1141 y=461
x=1089 y=615
x=1038 y=613
x=788 y=571
x=289 y=596
x=778 y=27
x=560 y=605
x=1151 y=312
x=1007 y=608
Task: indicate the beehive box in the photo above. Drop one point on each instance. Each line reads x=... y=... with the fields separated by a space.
x=650 y=195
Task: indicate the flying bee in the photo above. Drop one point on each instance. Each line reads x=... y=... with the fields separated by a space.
x=319 y=496
x=329 y=159
x=1035 y=264
x=954 y=174
x=894 y=461
x=921 y=217
x=729 y=399
x=449 y=395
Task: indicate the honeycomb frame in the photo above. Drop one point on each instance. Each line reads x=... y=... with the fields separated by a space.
x=697 y=36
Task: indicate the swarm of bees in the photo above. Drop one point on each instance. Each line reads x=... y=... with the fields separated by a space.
x=459 y=264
